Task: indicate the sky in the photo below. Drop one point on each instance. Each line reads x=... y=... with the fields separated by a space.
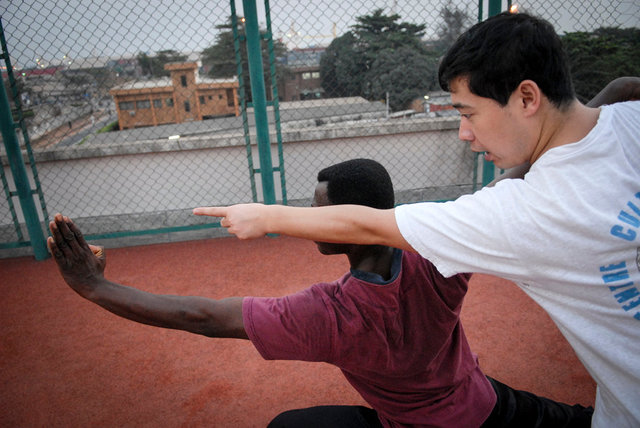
x=48 y=32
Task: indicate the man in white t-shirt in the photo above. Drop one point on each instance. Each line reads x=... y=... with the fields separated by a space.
x=568 y=233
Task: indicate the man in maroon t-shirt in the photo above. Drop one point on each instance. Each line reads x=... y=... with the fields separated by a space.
x=391 y=325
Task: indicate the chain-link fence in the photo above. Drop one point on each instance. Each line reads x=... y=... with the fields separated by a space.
x=139 y=111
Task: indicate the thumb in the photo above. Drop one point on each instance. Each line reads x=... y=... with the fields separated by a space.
x=97 y=251
x=211 y=211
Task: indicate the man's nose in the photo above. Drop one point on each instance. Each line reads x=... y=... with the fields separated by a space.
x=464 y=132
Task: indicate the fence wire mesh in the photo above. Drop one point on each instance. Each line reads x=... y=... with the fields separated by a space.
x=134 y=109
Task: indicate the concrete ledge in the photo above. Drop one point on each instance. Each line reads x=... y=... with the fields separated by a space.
x=233 y=138
x=142 y=192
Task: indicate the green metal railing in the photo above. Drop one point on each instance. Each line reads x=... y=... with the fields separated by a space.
x=275 y=103
x=16 y=163
x=259 y=99
x=237 y=39
x=259 y=102
x=134 y=182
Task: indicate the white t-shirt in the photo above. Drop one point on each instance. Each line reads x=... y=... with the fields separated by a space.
x=569 y=235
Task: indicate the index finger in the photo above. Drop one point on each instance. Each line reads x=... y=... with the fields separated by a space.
x=58 y=245
x=79 y=237
x=211 y=211
x=69 y=235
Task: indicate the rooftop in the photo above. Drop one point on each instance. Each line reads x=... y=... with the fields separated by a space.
x=166 y=82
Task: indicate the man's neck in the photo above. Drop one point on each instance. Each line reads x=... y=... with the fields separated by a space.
x=561 y=127
x=373 y=259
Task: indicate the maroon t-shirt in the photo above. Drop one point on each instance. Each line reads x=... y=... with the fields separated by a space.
x=400 y=343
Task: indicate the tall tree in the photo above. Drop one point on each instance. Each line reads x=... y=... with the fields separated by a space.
x=221 y=57
x=454 y=22
x=340 y=69
x=154 y=65
x=374 y=58
x=403 y=84
x=600 y=56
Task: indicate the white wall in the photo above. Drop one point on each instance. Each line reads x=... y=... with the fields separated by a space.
x=115 y=184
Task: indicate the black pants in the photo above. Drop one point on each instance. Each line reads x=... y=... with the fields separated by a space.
x=518 y=409
x=523 y=409
x=328 y=417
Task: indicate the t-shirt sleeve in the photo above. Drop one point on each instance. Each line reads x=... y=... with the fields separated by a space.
x=470 y=234
x=294 y=327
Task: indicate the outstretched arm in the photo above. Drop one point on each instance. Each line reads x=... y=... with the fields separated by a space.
x=353 y=224
x=621 y=89
x=82 y=267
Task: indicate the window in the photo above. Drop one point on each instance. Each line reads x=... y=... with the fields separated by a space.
x=168 y=102
x=202 y=99
x=183 y=80
x=126 y=105
x=143 y=104
x=157 y=103
x=315 y=74
x=187 y=106
x=306 y=76
x=210 y=97
x=230 y=98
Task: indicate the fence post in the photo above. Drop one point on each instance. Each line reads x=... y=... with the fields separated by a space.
x=20 y=178
x=495 y=7
x=259 y=99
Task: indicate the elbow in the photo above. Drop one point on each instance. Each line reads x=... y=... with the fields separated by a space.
x=199 y=321
x=215 y=318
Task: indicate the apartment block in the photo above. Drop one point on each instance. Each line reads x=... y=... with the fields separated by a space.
x=182 y=97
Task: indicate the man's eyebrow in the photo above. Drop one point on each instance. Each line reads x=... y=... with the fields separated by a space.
x=459 y=106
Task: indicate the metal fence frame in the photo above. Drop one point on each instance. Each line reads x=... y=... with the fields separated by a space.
x=28 y=185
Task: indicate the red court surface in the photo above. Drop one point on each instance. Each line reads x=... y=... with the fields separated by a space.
x=68 y=363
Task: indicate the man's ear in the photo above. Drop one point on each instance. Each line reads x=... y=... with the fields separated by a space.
x=529 y=97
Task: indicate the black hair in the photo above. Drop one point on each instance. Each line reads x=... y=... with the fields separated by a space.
x=359 y=182
x=497 y=54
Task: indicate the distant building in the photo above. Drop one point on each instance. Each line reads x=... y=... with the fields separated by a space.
x=47 y=85
x=183 y=97
x=32 y=72
x=303 y=79
x=435 y=103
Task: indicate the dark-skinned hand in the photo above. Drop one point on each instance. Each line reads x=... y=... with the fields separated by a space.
x=81 y=265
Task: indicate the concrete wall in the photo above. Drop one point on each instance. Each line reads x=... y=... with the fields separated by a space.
x=154 y=184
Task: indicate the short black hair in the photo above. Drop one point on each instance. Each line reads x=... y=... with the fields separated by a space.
x=359 y=182
x=497 y=54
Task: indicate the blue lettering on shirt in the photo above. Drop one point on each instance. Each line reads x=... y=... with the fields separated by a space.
x=616 y=276
x=625 y=293
x=629 y=219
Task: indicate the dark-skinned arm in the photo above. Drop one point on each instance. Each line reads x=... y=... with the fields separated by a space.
x=621 y=89
x=82 y=267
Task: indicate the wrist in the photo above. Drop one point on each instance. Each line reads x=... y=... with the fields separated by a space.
x=95 y=289
x=268 y=214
